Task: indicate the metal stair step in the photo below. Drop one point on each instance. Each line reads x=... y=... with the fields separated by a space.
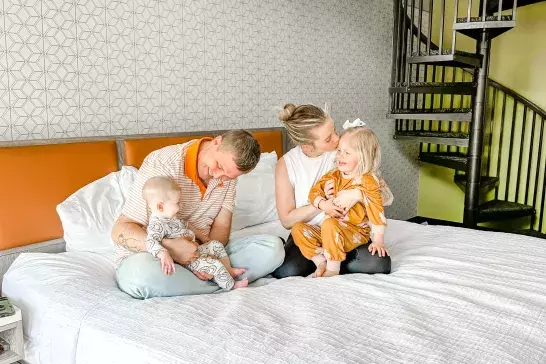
x=485 y=181
x=459 y=88
x=431 y=114
x=446 y=58
x=473 y=28
x=455 y=161
x=496 y=210
x=434 y=137
x=493 y=5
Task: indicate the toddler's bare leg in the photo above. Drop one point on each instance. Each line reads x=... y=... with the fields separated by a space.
x=332 y=268
x=320 y=262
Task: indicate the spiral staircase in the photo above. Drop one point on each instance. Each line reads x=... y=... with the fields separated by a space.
x=442 y=97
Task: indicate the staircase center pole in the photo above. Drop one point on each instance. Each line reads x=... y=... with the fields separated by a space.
x=475 y=148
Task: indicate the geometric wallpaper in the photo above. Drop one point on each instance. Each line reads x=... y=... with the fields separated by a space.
x=102 y=67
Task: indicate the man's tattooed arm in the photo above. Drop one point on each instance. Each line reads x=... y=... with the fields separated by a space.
x=129 y=235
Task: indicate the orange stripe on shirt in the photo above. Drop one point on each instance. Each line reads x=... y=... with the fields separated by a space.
x=190 y=165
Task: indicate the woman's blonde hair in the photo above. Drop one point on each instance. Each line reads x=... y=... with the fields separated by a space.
x=300 y=121
x=365 y=142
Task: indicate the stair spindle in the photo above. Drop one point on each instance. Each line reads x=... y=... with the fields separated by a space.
x=522 y=145
x=510 y=151
x=530 y=161
x=537 y=177
x=501 y=138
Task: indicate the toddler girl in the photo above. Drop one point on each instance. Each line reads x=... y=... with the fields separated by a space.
x=358 y=159
x=162 y=196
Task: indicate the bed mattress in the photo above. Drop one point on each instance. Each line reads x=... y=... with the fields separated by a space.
x=454 y=296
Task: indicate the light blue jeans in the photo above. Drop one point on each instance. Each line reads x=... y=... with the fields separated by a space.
x=140 y=275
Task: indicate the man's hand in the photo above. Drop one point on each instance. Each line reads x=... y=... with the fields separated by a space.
x=181 y=250
x=203 y=276
x=330 y=209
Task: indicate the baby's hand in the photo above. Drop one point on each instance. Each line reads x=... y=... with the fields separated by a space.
x=167 y=263
x=379 y=248
x=330 y=209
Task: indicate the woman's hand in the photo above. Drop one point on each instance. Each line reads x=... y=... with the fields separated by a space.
x=330 y=209
x=346 y=199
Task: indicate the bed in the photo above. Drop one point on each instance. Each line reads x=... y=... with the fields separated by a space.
x=454 y=296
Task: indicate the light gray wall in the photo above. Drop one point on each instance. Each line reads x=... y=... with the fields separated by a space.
x=93 y=68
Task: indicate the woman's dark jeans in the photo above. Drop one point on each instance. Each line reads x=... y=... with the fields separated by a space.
x=360 y=260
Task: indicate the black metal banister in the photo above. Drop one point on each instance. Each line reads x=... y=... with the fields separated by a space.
x=428 y=79
x=518 y=97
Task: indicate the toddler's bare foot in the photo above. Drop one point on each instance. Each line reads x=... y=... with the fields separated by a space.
x=321 y=268
x=329 y=273
x=241 y=284
x=236 y=272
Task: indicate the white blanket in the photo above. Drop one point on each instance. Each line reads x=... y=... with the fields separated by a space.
x=455 y=296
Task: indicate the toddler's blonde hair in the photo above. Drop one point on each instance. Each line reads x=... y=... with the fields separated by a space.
x=365 y=142
x=159 y=189
x=300 y=121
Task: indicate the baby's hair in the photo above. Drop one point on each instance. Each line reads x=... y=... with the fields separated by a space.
x=300 y=121
x=159 y=189
x=366 y=144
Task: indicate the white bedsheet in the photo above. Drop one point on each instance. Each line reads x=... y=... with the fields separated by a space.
x=454 y=296
x=56 y=291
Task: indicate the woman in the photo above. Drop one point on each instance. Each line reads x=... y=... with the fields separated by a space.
x=314 y=134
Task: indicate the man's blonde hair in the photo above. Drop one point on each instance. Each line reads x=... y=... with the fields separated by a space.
x=300 y=121
x=364 y=141
x=159 y=189
x=245 y=148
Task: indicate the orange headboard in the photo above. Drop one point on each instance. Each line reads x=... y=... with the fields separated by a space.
x=137 y=149
x=37 y=178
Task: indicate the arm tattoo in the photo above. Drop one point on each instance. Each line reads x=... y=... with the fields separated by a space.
x=130 y=244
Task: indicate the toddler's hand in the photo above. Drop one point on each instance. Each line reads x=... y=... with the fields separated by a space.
x=330 y=209
x=379 y=248
x=167 y=263
x=329 y=189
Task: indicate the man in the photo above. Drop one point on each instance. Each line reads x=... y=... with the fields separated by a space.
x=206 y=171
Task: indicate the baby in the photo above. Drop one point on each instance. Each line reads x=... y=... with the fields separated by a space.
x=162 y=195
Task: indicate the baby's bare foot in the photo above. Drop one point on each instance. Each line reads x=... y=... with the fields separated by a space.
x=320 y=270
x=241 y=284
x=329 y=273
x=236 y=272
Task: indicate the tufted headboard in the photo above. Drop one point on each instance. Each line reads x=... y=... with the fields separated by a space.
x=38 y=175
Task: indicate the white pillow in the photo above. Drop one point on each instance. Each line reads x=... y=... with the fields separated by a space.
x=255 y=196
x=89 y=214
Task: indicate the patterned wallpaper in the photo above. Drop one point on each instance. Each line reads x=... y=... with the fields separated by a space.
x=114 y=67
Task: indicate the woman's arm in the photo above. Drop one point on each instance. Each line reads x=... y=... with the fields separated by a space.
x=286 y=200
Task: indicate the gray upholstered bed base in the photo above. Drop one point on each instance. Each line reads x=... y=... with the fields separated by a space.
x=8 y=256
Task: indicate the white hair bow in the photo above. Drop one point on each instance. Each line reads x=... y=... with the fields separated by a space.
x=353 y=124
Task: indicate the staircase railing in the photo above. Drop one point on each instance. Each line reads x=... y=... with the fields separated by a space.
x=513 y=155
x=515 y=150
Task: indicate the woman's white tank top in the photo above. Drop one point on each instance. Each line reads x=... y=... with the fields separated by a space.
x=304 y=172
